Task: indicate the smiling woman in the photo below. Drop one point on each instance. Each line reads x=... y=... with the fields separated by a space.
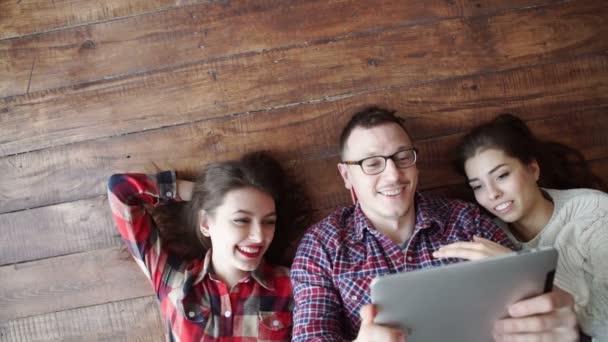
x=504 y=163
x=234 y=210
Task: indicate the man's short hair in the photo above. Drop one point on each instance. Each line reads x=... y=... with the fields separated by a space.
x=368 y=118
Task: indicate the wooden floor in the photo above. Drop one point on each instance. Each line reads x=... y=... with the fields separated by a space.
x=91 y=88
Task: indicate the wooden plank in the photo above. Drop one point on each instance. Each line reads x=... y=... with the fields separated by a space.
x=18 y=18
x=283 y=78
x=129 y=320
x=197 y=33
x=78 y=171
x=69 y=282
x=57 y=230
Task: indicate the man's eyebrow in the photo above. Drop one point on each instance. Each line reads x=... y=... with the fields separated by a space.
x=375 y=153
x=489 y=172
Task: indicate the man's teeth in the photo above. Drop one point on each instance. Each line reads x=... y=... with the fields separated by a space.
x=394 y=192
x=250 y=249
x=503 y=206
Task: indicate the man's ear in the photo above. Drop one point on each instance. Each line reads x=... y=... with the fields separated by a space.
x=344 y=172
x=204 y=222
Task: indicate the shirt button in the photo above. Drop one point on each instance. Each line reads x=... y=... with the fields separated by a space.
x=354 y=297
x=276 y=323
x=191 y=314
x=409 y=258
x=227 y=314
x=169 y=194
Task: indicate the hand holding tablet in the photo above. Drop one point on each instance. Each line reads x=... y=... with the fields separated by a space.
x=461 y=302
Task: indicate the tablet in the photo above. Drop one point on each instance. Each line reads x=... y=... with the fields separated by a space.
x=461 y=302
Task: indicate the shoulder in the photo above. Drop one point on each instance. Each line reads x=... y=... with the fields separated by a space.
x=323 y=239
x=334 y=227
x=446 y=209
x=277 y=278
x=579 y=201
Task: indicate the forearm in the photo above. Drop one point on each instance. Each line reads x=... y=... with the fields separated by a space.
x=127 y=195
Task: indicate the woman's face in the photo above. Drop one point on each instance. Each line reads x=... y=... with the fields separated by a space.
x=503 y=185
x=240 y=229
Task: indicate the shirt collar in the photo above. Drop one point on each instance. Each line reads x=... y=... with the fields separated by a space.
x=261 y=274
x=426 y=215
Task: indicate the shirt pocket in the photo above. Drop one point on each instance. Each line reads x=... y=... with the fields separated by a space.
x=196 y=314
x=274 y=326
x=355 y=293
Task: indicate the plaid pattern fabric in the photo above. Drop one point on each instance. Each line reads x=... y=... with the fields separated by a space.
x=196 y=305
x=339 y=256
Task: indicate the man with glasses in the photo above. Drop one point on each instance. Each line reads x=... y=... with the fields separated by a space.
x=392 y=228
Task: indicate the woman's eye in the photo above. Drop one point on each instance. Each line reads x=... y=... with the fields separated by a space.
x=475 y=187
x=503 y=175
x=241 y=220
x=270 y=222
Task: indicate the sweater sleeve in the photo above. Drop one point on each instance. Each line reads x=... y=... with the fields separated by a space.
x=593 y=313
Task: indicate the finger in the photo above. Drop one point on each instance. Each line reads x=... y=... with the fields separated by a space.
x=460 y=253
x=367 y=313
x=541 y=304
x=562 y=319
x=382 y=333
x=483 y=240
x=463 y=245
x=527 y=324
x=555 y=336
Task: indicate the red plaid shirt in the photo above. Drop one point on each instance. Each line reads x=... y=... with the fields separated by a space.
x=339 y=256
x=196 y=305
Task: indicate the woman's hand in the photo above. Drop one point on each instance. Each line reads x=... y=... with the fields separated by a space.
x=479 y=248
x=547 y=317
x=184 y=189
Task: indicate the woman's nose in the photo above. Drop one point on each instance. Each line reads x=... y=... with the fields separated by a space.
x=255 y=233
x=494 y=193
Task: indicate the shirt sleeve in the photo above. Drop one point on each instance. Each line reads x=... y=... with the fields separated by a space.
x=128 y=194
x=318 y=312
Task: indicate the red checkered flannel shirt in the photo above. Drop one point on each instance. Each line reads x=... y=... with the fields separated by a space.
x=196 y=305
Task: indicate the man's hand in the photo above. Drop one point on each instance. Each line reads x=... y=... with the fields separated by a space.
x=548 y=317
x=373 y=332
x=479 y=248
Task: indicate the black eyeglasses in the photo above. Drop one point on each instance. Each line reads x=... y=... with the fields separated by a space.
x=376 y=164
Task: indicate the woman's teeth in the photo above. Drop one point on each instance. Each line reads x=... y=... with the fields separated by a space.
x=249 y=249
x=503 y=206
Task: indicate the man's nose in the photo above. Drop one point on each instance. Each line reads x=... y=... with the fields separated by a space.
x=391 y=170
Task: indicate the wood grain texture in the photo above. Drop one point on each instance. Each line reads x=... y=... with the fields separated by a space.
x=25 y=17
x=433 y=110
x=198 y=33
x=130 y=320
x=284 y=78
x=66 y=228
x=69 y=282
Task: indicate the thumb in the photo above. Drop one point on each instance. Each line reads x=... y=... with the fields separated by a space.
x=367 y=313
